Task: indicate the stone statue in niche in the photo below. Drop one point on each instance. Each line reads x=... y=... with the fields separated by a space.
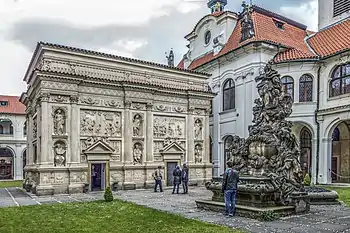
x=198 y=126
x=137 y=153
x=137 y=125
x=35 y=128
x=59 y=122
x=60 y=154
x=198 y=153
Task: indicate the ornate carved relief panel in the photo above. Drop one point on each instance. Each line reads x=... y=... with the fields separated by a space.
x=100 y=123
x=169 y=127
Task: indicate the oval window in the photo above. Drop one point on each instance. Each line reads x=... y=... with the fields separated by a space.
x=207 y=37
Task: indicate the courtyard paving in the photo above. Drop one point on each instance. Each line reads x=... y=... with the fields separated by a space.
x=320 y=219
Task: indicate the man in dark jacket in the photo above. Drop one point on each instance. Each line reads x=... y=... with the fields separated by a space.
x=184 y=178
x=229 y=188
x=177 y=179
x=158 y=176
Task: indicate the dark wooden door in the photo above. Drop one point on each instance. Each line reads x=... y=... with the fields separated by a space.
x=96 y=172
x=334 y=168
x=170 y=167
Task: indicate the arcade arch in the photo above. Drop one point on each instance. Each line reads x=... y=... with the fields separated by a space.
x=6 y=163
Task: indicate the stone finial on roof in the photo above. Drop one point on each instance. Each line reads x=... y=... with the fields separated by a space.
x=247 y=22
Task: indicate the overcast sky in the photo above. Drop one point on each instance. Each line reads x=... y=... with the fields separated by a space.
x=143 y=29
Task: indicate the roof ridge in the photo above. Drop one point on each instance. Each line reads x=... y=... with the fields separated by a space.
x=53 y=45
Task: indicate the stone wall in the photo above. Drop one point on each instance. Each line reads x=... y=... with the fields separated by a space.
x=132 y=128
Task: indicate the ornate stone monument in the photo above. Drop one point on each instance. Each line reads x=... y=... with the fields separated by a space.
x=268 y=160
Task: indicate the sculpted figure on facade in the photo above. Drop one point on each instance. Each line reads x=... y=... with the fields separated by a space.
x=137 y=153
x=35 y=125
x=198 y=153
x=59 y=154
x=59 y=122
x=198 y=127
x=137 y=125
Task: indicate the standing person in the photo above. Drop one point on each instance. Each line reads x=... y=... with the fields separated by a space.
x=157 y=176
x=177 y=179
x=229 y=188
x=184 y=178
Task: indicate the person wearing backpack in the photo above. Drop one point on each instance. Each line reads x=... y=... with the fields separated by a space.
x=184 y=178
x=157 y=176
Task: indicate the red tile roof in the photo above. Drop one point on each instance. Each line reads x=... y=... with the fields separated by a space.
x=292 y=37
x=331 y=40
x=13 y=107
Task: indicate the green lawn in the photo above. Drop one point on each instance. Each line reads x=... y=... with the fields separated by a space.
x=11 y=183
x=344 y=194
x=116 y=216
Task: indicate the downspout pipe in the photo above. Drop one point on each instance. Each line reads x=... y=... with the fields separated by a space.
x=317 y=122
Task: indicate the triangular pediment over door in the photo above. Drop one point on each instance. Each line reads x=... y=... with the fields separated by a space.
x=100 y=150
x=173 y=151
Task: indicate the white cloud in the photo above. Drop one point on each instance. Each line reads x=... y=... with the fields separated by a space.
x=90 y=13
x=305 y=13
x=14 y=61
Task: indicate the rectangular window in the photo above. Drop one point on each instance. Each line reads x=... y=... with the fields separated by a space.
x=340 y=7
x=4 y=103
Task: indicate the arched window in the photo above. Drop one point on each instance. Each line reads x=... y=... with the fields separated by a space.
x=227 y=151
x=336 y=135
x=229 y=95
x=340 y=83
x=305 y=88
x=306 y=149
x=288 y=85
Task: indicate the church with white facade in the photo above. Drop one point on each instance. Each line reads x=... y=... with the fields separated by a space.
x=314 y=67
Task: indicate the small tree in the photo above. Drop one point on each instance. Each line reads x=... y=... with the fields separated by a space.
x=307 y=179
x=108 y=194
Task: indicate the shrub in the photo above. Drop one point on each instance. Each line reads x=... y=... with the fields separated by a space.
x=108 y=194
x=268 y=216
x=307 y=179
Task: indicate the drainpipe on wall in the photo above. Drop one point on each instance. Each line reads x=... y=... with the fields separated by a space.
x=317 y=122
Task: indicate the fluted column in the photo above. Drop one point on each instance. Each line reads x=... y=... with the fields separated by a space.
x=149 y=133
x=74 y=130
x=127 y=133
x=44 y=128
x=190 y=136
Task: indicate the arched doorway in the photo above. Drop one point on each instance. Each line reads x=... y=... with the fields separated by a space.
x=227 y=152
x=340 y=166
x=306 y=150
x=24 y=158
x=6 y=164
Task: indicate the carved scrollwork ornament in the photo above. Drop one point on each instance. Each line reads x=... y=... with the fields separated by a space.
x=44 y=97
x=149 y=106
x=127 y=103
x=74 y=99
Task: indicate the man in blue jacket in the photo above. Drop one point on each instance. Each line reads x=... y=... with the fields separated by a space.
x=229 y=188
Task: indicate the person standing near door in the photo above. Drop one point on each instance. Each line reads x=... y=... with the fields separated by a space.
x=158 y=176
x=229 y=188
x=184 y=178
x=177 y=179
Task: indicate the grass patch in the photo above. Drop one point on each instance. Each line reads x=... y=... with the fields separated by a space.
x=344 y=194
x=100 y=216
x=11 y=183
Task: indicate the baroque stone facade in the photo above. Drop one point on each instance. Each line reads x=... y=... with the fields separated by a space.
x=96 y=120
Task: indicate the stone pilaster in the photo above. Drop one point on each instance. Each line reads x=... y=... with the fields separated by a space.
x=127 y=133
x=30 y=149
x=74 y=130
x=206 y=142
x=44 y=129
x=149 y=133
x=190 y=136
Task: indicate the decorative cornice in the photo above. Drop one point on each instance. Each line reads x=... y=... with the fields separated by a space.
x=44 y=97
x=329 y=110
